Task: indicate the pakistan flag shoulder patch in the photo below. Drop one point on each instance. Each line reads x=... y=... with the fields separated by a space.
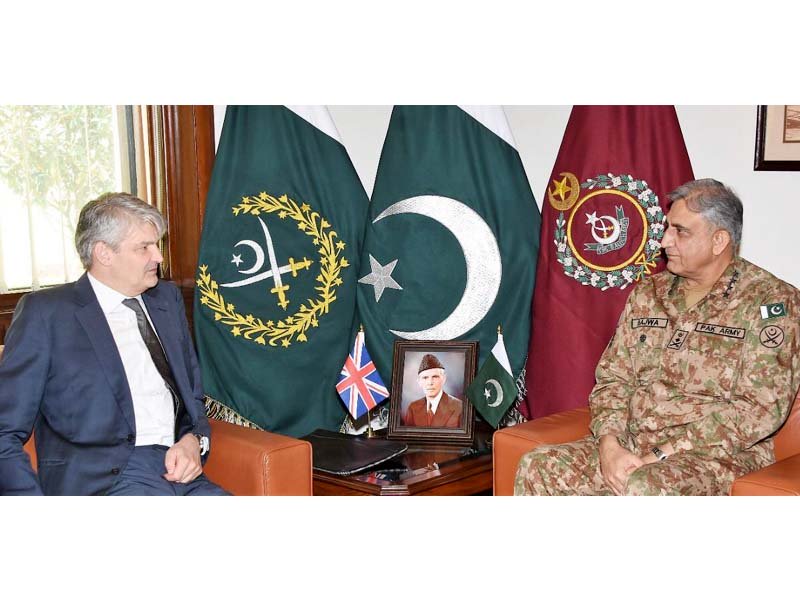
x=772 y=311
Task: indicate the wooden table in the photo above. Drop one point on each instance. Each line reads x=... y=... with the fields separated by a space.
x=425 y=470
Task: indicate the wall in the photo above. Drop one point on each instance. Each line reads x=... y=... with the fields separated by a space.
x=720 y=141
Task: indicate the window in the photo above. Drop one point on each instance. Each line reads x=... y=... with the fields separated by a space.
x=54 y=159
x=162 y=154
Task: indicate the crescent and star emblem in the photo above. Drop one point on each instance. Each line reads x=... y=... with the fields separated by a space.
x=487 y=394
x=481 y=256
x=275 y=271
x=605 y=229
x=565 y=192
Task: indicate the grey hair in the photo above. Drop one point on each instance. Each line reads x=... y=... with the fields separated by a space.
x=716 y=202
x=109 y=218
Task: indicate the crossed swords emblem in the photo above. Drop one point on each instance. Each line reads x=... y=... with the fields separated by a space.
x=275 y=271
x=771 y=336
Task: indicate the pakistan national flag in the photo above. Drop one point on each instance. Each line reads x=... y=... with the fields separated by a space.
x=279 y=259
x=450 y=249
x=493 y=390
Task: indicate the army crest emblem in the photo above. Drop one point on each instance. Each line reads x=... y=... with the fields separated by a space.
x=287 y=327
x=608 y=230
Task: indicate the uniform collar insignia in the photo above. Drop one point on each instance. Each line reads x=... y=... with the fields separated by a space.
x=727 y=281
x=732 y=282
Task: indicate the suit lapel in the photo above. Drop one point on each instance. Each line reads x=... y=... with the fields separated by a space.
x=95 y=325
x=421 y=412
x=446 y=407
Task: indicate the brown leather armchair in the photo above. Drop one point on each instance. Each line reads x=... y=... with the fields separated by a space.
x=248 y=462
x=779 y=479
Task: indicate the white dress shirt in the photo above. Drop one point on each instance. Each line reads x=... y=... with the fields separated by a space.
x=434 y=404
x=153 y=406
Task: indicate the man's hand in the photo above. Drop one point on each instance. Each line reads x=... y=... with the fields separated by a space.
x=183 y=460
x=649 y=458
x=616 y=463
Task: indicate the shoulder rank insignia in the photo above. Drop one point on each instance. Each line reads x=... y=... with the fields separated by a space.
x=771 y=311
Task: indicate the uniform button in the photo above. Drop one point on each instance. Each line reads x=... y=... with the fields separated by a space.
x=642 y=338
x=131 y=438
x=115 y=471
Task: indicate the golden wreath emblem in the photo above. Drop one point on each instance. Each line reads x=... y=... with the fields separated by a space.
x=294 y=326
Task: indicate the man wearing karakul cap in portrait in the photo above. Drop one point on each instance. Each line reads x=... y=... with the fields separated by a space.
x=437 y=408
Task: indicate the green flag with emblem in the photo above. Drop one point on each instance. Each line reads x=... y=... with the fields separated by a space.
x=279 y=257
x=493 y=390
x=451 y=244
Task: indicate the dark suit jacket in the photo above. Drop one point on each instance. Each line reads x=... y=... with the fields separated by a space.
x=61 y=376
x=448 y=413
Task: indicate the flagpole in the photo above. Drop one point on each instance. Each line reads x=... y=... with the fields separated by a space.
x=370 y=432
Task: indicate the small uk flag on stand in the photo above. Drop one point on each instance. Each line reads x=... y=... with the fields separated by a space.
x=360 y=385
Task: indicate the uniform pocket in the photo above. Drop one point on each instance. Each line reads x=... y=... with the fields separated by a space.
x=646 y=353
x=712 y=362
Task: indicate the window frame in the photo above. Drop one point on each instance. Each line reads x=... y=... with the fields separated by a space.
x=180 y=173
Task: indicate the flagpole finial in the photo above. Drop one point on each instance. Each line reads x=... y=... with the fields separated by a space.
x=499 y=329
x=361 y=327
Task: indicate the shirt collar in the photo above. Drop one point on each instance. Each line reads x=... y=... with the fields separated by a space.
x=434 y=404
x=668 y=289
x=109 y=298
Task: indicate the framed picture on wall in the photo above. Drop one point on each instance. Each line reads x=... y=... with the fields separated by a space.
x=428 y=402
x=778 y=138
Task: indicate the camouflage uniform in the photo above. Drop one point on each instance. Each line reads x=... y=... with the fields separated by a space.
x=716 y=380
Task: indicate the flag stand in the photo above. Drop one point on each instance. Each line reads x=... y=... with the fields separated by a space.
x=370 y=432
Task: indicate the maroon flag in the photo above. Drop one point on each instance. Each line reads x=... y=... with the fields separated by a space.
x=602 y=222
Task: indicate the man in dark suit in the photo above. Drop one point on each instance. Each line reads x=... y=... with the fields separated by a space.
x=437 y=408
x=104 y=372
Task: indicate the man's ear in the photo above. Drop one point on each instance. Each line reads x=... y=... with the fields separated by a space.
x=102 y=253
x=720 y=240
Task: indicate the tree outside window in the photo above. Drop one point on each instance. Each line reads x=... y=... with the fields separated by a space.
x=53 y=159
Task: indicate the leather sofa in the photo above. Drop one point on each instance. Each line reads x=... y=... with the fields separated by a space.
x=248 y=462
x=779 y=479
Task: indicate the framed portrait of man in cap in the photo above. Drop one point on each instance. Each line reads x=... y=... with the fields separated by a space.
x=428 y=401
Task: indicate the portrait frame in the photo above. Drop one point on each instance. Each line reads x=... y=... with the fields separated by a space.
x=777 y=138
x=459 y=358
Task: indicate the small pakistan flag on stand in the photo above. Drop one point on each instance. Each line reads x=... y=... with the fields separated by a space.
x=493 y=390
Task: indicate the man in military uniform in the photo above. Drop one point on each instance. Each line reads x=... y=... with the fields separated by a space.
x=700 y=373
x=437 y=408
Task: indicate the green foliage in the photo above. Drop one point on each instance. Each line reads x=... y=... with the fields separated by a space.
x=57 y=156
